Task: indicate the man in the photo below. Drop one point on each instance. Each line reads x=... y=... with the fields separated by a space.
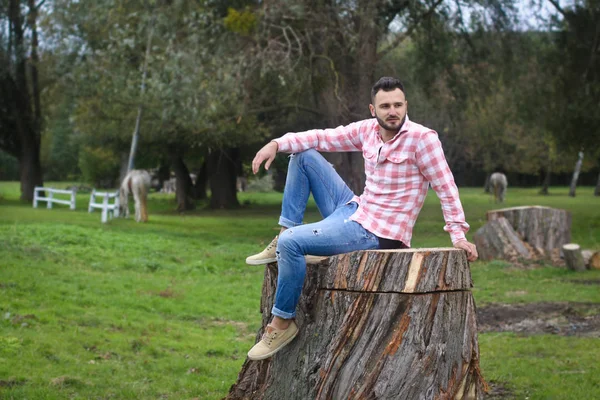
x=401 y=159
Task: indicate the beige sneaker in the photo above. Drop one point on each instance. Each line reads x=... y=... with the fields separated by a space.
x=266 y=256
x=272 y=341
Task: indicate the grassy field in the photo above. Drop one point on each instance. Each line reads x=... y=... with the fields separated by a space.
x=168 y=309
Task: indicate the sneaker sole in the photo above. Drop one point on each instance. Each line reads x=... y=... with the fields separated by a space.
x=261 y=262
x=270 y=354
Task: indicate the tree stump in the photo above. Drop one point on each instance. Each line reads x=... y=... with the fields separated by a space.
x=545 y=229
x=529 y=232
x=387 y=324
x=591 y=258
x=573 y=257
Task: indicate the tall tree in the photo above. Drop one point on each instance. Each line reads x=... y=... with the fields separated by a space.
x=578 y=76
x=20 y=104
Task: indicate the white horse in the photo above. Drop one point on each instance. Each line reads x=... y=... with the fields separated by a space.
x=498 y=184
x=137 y=183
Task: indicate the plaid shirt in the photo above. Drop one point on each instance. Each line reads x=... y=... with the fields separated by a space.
x=398 y=174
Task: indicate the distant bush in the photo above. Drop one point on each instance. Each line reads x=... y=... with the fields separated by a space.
x=9 y=167
x=99 y=166
x=262 y=185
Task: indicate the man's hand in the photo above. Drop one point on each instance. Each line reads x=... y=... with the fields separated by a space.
x=469 y=248
x=268 y=153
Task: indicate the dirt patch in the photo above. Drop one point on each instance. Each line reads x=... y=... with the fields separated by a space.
x=585 y=282
x=499 y=391
x=564 y=319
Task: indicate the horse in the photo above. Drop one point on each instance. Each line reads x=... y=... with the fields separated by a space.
x=498 y=184
x=137 y=183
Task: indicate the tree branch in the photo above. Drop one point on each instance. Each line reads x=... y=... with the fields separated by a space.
x=558 y=7
x=400 y=38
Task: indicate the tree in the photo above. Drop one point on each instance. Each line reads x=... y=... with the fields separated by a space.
x=20 y=105
x=578 y=76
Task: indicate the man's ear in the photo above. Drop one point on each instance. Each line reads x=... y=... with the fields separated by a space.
x=372 y=109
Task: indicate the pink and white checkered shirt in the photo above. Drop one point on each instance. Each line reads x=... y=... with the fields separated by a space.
x=398 y=174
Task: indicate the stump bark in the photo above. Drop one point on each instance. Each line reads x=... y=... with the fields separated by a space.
x=395 y=324
x=573 y=257
x=529 y=232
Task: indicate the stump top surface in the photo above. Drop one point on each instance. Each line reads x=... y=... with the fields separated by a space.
x=401 y=271
x=417 y=250
x=522 y=208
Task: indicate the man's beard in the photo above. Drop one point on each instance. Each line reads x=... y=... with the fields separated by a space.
x=390 y=128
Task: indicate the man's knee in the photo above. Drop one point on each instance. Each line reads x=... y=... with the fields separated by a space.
x=287 y=242
x=307 y=156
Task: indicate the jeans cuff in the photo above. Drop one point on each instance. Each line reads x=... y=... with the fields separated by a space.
x=282 y=314
x=286 y=223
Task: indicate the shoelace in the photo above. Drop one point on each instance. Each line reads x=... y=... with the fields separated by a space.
x=272 y=244
x=269 y=337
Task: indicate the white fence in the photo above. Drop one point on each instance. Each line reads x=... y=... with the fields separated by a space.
x=50 y=199
x=109 y=210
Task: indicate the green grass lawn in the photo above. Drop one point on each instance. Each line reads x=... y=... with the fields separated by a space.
x=168 y=309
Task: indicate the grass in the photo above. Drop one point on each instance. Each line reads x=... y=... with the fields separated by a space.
x=168 y=309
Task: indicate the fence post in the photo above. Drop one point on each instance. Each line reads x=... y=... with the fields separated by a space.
x=73 y=191
x=35 y=196
x=92 y=200
x=117 y=212
x=105 y=208
x=50 y=196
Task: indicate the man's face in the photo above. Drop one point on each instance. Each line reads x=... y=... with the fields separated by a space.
x=389 y=109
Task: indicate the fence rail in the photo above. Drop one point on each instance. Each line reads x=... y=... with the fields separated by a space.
x=50 y=199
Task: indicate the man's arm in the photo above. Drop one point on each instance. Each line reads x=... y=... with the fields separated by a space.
x=434 y=167
x=342 y=138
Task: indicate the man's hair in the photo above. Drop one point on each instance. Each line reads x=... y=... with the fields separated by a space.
x=387 y=84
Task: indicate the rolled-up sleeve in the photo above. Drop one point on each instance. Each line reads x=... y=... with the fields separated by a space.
x=434 y=167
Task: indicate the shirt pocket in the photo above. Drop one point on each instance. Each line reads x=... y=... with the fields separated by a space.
x=401 y=164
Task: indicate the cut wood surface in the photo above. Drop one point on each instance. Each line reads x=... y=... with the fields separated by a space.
x=543 y=228
x=396 y=324
x=591 y=258
x=573 y=257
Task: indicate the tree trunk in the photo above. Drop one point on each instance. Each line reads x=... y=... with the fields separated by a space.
x=597 y=189
x=576 y=175
x=375 y=324
x=201 y=182
x=25 y=105
x=222 y=177
x=30 y=169
x=183 y=185
x=546 y=184
x=486 y=185
x=573 y=257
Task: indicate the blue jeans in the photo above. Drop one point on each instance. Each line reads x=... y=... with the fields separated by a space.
x=335 y=234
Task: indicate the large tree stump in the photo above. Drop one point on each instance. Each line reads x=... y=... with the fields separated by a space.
x=544 y=228
x=529 y=233
x=388 y=324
